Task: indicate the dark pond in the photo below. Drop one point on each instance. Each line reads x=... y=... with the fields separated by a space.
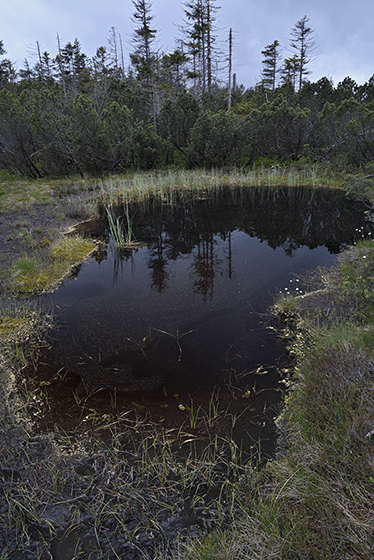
x=181 y=317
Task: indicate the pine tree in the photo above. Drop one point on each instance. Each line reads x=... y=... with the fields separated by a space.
x=7 y=70
x=144 y=36
x=72 y=67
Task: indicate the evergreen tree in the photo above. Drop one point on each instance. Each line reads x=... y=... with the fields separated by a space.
x=199 y=40
x=43 y=68
x=100 y=64
x=270 y=65
x=72 y=67
x=304 y=46
x=7 y=70
x=211 y=11
x=172 y=71
x=144 y=58
x=290 y=71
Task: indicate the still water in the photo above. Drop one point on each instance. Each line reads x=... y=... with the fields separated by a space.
x=182 y=315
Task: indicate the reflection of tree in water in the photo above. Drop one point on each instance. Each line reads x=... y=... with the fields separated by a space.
x=203 y=265
x=101 y=253
x=120 y=256
x=287 y=218
x=157 y=264
x=229 y=253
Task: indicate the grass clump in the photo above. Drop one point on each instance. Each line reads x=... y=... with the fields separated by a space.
x=71 y=250
x=121 y=233
x=10 y=325
x=17 y=320
x=39 y=273
x=322 y=491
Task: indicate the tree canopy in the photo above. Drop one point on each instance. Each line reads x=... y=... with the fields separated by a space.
x=69 y=113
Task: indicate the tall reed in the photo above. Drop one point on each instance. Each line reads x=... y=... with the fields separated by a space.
x=124 y=189
x=121 y=234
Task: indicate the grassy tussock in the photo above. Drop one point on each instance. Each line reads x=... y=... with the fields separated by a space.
x=17 y=320
x=10 y=325
x=39 y=273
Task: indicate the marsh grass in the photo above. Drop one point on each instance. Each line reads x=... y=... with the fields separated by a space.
x=11 y=325
x=121 y=190
x=127 y=496
x=19 y=319
x=16 y=193
x=124 y=483
x=46 y=269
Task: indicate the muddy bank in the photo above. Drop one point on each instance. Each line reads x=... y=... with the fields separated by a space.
x=32 y=229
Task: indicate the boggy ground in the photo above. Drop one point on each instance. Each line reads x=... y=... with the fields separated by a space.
x=29 y=230
x=65 y=500
x=66 y=496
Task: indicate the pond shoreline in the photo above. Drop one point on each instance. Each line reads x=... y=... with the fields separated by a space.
x=181 y=503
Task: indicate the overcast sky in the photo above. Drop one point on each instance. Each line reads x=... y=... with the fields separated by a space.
x=343 y=30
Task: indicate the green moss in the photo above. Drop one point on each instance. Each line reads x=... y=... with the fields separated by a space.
x=27 y=265
x=44 y=242
x=8 y=325
x=71 y=249
x=39 y=274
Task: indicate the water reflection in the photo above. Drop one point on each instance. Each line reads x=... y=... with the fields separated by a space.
x=180 y=316
x=289 y=218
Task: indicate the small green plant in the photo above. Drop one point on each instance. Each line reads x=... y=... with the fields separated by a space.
x=41 y=272
x=129 y=231
x=193 y=414
x=27 y=265
x=122 y=234
x=115 y=227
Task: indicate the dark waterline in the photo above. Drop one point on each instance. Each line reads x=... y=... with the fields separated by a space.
x=182 y=316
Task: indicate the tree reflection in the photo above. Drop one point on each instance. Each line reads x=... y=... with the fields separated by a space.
x=204 y=268
x=285 y=217
x=157 y=264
